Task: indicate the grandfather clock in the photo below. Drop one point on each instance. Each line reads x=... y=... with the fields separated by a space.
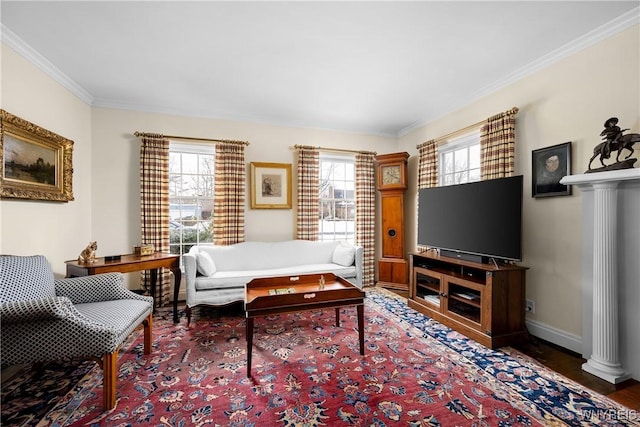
x=392 y=183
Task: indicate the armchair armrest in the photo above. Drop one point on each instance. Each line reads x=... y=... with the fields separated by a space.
x=190 y=264
x=26 y=311
x=359 y=262
x=96 y=288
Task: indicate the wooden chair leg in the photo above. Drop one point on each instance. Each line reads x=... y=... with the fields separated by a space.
x=110 y=373
x=148 y=334
x=188 y=313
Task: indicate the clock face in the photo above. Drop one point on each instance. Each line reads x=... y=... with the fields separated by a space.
x=391 y=175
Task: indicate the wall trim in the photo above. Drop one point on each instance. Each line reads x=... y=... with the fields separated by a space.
x=555 y=336
x=607 y=30
x=27 y=52
x=611 y=28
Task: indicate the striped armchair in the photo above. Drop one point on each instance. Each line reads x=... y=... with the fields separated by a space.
x=45 y=319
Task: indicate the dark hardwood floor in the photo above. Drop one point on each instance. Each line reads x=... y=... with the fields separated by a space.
x=569 y=364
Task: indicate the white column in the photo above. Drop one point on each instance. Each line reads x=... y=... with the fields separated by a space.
x=605 y=359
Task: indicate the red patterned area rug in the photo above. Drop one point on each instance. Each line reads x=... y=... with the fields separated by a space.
x=308 y=372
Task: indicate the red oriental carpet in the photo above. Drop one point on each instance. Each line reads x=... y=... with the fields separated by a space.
x=308 y=372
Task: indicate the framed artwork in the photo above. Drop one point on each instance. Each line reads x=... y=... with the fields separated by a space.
x=270 y=185
x=548 y=166
x=36 y=163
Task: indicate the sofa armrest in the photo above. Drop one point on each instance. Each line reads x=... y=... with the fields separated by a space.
x=359 y=259
x=96 y=288
x=34 y=310
x=189 y=261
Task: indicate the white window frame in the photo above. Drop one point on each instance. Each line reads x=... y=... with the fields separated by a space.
x=343 y=229
x=200 y=227
x=462 y=171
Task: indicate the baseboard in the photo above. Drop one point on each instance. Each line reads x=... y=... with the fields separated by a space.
x=555 y=336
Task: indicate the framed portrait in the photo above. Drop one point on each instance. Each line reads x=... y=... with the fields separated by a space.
x=548 y=166
x=36 y=163
x=270 y=185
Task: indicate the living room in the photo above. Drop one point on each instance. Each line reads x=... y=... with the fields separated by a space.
x=559 y=100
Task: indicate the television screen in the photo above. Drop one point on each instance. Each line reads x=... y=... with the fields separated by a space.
x=481 y=218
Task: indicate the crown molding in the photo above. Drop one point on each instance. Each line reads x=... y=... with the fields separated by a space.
x=603 y=32
x=613 y=27
x=9 y=38
x=218 y=115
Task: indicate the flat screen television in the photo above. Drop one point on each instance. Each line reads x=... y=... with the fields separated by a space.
x=482 y=219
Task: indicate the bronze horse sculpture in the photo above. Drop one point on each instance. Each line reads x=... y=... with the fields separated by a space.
x=614 y=141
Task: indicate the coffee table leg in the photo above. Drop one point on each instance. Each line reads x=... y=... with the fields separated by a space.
x=337 y=317
x=249 y=344
x=361 y=327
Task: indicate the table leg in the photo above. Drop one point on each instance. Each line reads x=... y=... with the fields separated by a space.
x=361 y=327
x=337 y=317
x=249 y=344
x=177 y=278
x=154 y=280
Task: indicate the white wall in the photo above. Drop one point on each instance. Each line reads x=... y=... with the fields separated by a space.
x=567 y=101
x=58 y=230
x=106 y=175
x=116 y=207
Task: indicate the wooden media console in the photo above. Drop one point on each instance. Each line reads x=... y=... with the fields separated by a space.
x=485 y=302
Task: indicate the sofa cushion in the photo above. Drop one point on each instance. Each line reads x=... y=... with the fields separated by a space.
x=247 y=256
x=206 y=266
x=233 y=279
x=344 y=255
x=121 y=316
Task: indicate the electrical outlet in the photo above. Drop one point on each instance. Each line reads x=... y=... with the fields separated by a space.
x=530 y=307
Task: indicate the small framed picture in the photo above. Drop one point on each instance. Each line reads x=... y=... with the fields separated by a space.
x=548 y=166
x=270 y=185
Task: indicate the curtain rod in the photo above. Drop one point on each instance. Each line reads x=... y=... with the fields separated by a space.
x=442 y=139
x=335 y=150
x=188 y=138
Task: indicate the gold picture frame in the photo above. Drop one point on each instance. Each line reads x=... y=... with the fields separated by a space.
x=35 y=163
x=270 y=185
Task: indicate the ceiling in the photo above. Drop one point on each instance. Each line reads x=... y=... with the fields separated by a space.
x=366 y=66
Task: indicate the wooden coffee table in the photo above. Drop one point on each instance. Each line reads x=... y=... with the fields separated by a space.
x=275 y=295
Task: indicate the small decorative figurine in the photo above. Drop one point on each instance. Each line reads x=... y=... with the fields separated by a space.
x=322 y=282
x=614 y=140
x=88 y=254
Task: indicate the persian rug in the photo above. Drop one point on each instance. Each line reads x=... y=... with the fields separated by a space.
x=308 y=372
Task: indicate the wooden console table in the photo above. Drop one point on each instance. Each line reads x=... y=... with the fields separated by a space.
x=129 y=263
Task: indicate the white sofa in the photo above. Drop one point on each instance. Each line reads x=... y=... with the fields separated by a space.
x=216 y=275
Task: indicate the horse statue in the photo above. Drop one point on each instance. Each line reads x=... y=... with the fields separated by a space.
x=614 y=140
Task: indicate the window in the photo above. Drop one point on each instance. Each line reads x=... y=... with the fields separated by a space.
x=191 y=178
x=337 y=198
x=459 y=160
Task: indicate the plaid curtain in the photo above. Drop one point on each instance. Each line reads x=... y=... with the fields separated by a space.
x=308 y=193
x=229 y=199
x=154 y=206
x=428 y=164
x=365 y=213
x=427 y=169
x=497 y=145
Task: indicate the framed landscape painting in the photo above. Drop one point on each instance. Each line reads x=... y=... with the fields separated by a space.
x=36 y=163
x=270 y=185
